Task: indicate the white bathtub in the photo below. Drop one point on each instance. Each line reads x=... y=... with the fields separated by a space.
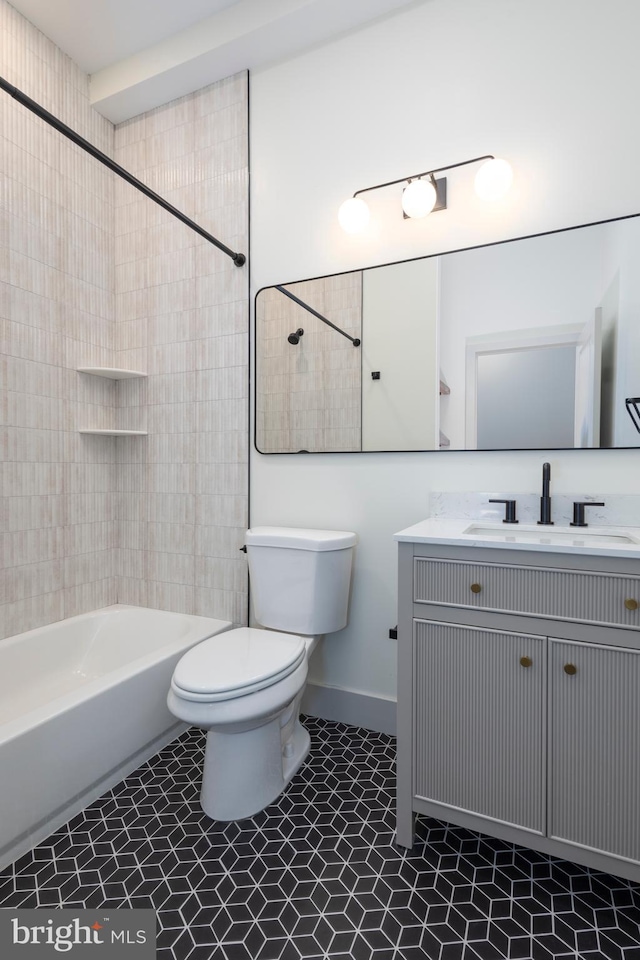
x=82 y=704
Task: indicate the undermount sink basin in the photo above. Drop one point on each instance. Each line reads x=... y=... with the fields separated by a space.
x=514 y=533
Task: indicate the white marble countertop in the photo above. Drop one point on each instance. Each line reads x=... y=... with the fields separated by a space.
x=593 y=540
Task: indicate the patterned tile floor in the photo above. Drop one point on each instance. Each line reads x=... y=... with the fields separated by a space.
x=317 y=874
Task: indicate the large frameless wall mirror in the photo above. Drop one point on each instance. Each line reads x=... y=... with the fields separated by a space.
x=527 y=344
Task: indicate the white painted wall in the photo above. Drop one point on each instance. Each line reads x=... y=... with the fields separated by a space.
x=549 y=85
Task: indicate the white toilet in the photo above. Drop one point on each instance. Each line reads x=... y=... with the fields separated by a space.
x=245 y=686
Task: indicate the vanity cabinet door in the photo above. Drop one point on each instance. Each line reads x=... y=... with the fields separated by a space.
x=479 y=712
x=594 y=763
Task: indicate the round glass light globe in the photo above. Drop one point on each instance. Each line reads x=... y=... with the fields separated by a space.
x=353 y=215
x=493 y=179
x=419 y=198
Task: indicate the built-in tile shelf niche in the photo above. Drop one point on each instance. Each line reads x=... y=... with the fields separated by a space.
x=113 y=373
x=116 y=433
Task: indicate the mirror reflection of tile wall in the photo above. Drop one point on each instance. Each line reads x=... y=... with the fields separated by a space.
x=309 y=394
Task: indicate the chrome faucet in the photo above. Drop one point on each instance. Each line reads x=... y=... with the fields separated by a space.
x=545 y=499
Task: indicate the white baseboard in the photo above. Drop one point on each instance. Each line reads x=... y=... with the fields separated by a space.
x=350 y=706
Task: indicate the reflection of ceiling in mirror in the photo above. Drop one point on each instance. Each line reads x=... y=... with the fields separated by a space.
x=319 y=398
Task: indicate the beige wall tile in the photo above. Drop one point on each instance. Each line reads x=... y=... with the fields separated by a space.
x=30 y=613
x=171 y=596
x=85 y=597
x=32 y=580
x=96 y=275
x=132 y=591
x=222 y=604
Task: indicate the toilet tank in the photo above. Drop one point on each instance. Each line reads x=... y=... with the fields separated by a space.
x=300 y=578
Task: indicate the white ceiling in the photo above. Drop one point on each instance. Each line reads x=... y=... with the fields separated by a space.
x=142 y=53
x=98 y=33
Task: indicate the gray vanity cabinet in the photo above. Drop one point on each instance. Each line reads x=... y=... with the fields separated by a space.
x=594 y=747
x=479 y=721
x=519 y=699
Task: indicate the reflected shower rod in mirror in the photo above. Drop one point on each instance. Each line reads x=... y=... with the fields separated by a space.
x=238 y=258
x=423 y=196
x=295 y=337
x=633 y=409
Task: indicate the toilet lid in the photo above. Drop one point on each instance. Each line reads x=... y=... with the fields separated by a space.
x=236 y=663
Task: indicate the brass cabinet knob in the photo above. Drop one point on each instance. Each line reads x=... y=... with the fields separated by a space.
x=526 y=662
x=571 y=669
x=475 y=588
x=631 y=604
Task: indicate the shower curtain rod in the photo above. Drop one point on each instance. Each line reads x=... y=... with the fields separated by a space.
x=305 y=306
x=238 y=258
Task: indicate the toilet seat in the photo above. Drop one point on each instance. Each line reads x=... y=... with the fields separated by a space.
x=235 y=664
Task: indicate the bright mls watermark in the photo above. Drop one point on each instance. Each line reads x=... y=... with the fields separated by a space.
x=101 y=934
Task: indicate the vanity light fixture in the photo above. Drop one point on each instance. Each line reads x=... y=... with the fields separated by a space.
x=424 y=193
x=419 y=197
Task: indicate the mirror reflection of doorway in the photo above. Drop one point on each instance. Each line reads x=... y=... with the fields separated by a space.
x=534 y=389
x=525 y=398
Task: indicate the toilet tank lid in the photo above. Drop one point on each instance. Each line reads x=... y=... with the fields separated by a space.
x=299 y=538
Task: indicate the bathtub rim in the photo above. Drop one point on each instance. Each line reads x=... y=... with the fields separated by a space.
x=202 y=629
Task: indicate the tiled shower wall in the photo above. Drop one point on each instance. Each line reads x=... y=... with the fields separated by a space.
x=57 y=519
x=87 y=521
x=309 y=395
x=182 y=310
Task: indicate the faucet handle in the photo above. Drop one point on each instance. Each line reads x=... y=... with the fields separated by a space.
x=578 y=512
x=510 y=510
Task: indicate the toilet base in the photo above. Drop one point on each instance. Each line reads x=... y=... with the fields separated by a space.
x=245 y=772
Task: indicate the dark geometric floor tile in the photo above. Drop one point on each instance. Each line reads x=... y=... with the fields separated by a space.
x=520 y=948
x=486 y=950
x=616 y=943
x=318 y=875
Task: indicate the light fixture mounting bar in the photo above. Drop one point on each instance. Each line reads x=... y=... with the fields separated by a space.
x=426 y=173
x=305 y=306
x=238 y=258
